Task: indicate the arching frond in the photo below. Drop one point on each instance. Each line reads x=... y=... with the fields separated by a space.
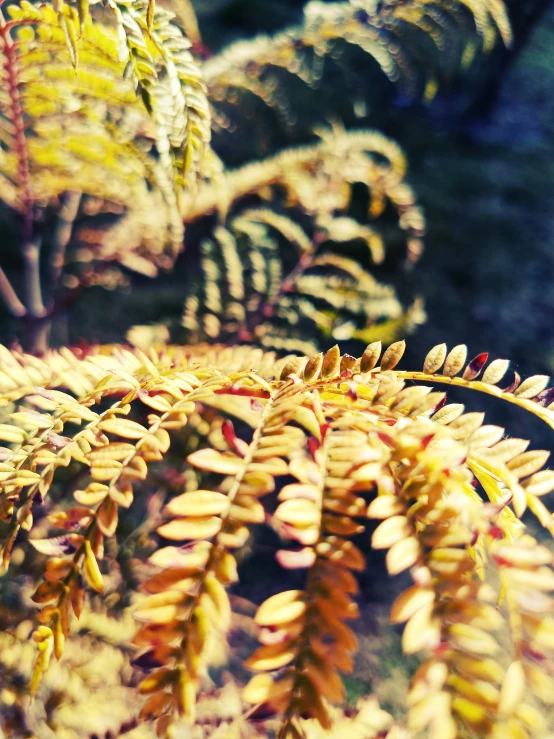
x=357 y=442
x=282 y=269
x=393 y=33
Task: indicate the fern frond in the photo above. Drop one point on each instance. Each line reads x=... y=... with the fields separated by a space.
x=360 y=443
x=130 y=126
x=266 y=272
x=390 y=32
x=36 y=164
x=81 y=132
x=532 y=394
x=161 y=68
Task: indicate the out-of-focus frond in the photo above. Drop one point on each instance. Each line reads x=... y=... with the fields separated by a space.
x=128 y=127
x=415 y=42
x=86 y=132
x=281 y=269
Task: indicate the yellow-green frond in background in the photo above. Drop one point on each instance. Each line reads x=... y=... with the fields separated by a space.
x=295 y=263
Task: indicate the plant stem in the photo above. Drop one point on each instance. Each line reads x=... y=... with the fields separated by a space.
x=33 y=290
x=62 y=235
x=8 y=294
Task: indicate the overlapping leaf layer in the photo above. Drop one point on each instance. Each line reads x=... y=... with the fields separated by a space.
x=338 y=440
x=284 y=266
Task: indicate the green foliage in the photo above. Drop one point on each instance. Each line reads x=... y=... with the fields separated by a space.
x=128 y=126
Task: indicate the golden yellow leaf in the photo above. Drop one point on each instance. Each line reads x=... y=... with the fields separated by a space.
x=531 y=716
x=160 y=608
x=513 y=687
x=306 y=418
x=434 y=359
x=272 y=466
x=91 y=570
x=94 y=493
x=225 y=567
x=300 y=559
x=448 y=413
x=485 y=436
x=455 y=360
x=429 y=678
x=281 y=608
x=12 y=434
x=471 y=639
x=107 y=517
x=44 y=638
x=305 y=470
x=299 y=490
x=211 y=460
x=265 y=688
x=527 y=463
x=423 y=631
x=195 y=556
x=370 y=357
x=428 y=709
x=123 y=427
x=403 y=554
x=135 y=469
x=385 y=506
x=272 y=657
x=477 y=691
x=198 y=504
x=532 y=386
x=313 y=367
x=410 y=601
x=298 y=512
x=186 y=696
x=495 y=371
x=181 y=529
x=105 y=469
x=469 y=711
x=393 y=355
x=179 y=578
x=32 y=420
x=540 y=483
x=390 y=531
x=117 y=450
x=218 y=596
x=257 y=483
x=247 y=510
x=331 y=363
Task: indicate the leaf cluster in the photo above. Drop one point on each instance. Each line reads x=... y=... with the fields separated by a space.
x=330 y=441
x=282 y=264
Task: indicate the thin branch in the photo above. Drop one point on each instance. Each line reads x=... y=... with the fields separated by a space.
x=8 y=294
x=33 y=290
x=62 y=234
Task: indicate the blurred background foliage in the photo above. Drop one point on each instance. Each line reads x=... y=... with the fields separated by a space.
x=481 y=159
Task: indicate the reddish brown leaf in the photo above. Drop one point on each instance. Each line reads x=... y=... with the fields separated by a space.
x=475 y=366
